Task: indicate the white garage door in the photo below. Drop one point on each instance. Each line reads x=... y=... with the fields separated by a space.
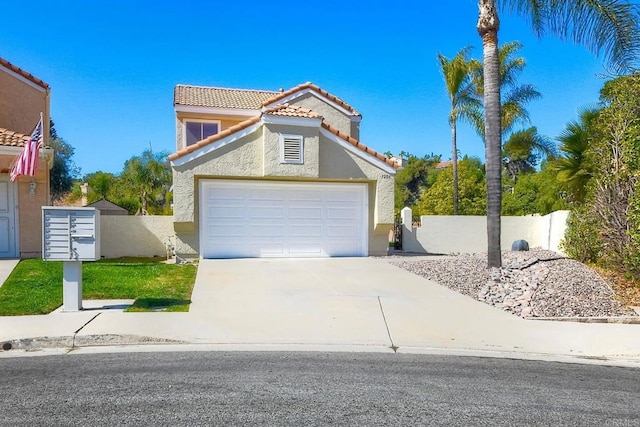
x=282 y=219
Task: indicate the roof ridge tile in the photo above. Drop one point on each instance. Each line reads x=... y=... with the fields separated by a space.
x=24 y=73
x=227 y=88
x=316 y=88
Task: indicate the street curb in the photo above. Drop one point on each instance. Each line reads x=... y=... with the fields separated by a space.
x=82 y=341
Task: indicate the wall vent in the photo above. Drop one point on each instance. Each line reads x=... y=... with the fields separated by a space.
x=291 y=149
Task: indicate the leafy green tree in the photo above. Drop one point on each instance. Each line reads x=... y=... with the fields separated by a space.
x=64 y=170
x=147 y=179
x=411 y=180
x=574 y=141
x=534 y=193
x=608 y=26
x=612 y=204
x=458 y=74
x=103 y=186
x=438 y=199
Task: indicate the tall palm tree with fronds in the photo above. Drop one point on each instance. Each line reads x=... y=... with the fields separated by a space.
x=574 y=141
x=610 y=27
x=524 y=149
x=459 y=81
x=513 y=96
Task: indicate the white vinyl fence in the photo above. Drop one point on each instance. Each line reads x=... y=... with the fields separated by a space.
x=468 y=234
x=139 y=236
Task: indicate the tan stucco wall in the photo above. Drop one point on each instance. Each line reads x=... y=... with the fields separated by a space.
x=21 y=105
x=256 y=156
x=272 y=165
x=135 y=235
x=331 y=115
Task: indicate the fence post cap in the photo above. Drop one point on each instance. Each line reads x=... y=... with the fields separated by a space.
x=406 y=215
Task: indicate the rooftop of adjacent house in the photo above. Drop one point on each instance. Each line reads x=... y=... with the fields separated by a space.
x=248 y=99
x=108 y=208
x=21 y=72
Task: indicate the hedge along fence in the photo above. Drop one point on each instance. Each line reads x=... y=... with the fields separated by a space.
x=468 y=234
x=137 y=236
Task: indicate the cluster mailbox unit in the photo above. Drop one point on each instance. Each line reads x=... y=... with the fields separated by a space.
x=71 y=235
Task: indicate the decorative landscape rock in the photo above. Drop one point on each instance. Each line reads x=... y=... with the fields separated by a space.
x=535 y=283
x=520 y=245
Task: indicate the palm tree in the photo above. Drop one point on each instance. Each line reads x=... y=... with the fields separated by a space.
x=459 y=81
x=605 y=26
x=524 y=149
x=513 y=96
x=571 y=166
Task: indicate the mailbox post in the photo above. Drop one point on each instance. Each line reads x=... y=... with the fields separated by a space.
x=71 y=235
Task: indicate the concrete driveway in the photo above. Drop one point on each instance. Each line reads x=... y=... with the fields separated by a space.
x=362 y=304
x=362 y=301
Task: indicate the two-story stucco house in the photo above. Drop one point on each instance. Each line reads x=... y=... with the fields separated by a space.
x=23 y=98
x=276 y=174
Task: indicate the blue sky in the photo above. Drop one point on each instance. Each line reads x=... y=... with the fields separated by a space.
x=112 y=66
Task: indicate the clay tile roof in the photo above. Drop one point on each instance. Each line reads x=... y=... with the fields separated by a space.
x=220 y=97
x=9 y=138
x=23 y=73
x=214 y=138
x=360 y=145
x=280 y=95
x=292 y=111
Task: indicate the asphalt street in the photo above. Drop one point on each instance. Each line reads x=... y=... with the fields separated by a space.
x=269 y=388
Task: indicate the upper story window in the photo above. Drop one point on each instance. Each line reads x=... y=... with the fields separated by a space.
x=198 y=130
x=291 y=149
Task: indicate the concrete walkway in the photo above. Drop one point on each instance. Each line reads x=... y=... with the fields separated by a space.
x=6 y=267
x=340 y=303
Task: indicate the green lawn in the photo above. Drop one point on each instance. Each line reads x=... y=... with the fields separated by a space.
x=35 y=286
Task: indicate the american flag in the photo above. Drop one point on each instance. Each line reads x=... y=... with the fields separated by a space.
x=28 y=160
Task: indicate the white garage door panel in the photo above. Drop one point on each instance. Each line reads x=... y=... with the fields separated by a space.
x=278 y=219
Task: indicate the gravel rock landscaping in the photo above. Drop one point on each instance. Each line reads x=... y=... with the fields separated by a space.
x=535 y=283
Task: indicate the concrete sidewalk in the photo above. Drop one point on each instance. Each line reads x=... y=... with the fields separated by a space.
x=6 y=267
x=332 y=304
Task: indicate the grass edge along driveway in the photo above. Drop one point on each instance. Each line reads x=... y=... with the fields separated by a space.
x=35 y=286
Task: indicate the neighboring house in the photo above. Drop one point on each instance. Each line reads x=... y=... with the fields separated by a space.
x=108 y=208
x=22 y=98
x=443 y=165
x=276 y=174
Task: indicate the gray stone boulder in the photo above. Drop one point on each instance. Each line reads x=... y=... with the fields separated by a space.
x=520 y=245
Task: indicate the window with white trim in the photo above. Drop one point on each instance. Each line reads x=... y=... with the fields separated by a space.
x=291 y=149
x=195 y=131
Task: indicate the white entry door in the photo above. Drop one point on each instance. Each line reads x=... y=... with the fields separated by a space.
x=8 y=232
x=253 y=219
